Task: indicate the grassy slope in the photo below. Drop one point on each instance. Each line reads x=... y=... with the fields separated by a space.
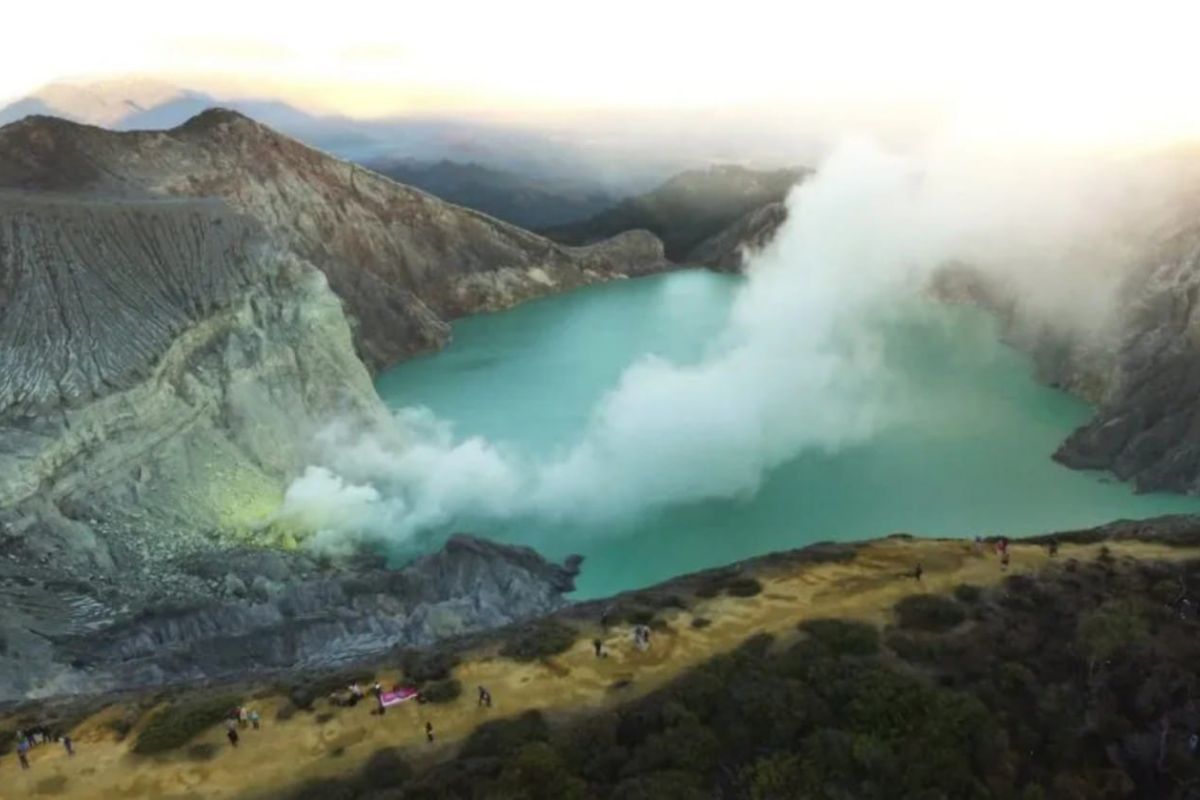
x=329 y=742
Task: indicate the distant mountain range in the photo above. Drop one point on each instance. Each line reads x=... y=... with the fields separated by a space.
x=525 y=201
x=539 y=155
x=689 y=209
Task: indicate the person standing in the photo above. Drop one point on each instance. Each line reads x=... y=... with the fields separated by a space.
x=599 y=646
x=429 y=732
x=254 y=718
x=231 y=732
x=485 y=697
x=68 y=745
x=23 y=752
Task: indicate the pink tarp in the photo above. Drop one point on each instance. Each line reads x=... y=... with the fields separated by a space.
x=389 y=699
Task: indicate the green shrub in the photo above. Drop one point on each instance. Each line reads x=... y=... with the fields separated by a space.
x=542 y=639
x=929 y=612
x=420 y=666
x=538 y=772
x=386 y=768
x=310 y=689
x=322 y=789
x=503 y=737
x=701 y=622
x=844 y=637
x=639 y=616
x=743 y=587
x=178 y=724
x=442 y=691
x=967 y=593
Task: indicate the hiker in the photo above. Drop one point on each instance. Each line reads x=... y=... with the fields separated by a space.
x=23 y=752
x=356 y=691
x=978 y=546
x=1052 y=547
x=254 y=718
x=1002 y=545
x=599 y=645
x=231 y=732
x=429 y=731
x=377 y=688
x=243 y=718
x=1004 y=559
x=919 y=571
x=485 y=697
x=68 y=745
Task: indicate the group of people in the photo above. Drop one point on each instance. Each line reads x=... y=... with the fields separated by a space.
x=32 y=737
x=240 y=717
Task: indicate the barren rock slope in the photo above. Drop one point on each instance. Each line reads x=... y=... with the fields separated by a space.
x=401 y=260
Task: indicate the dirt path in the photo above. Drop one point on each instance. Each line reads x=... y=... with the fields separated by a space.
x=285 y=753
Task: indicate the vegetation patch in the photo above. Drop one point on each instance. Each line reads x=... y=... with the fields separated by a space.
x=420 y=666
x=386 y=768
x=968 y=593
x=442 y=691
x=177 y=724
x=203 y=751
x=309 y=689
x=929 y=612
x=701 y=622
x=843 y=637
x=541 y=639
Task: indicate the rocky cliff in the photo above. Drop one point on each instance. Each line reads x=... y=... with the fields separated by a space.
x=171 y=336
x=255 y=611
x=402 y=261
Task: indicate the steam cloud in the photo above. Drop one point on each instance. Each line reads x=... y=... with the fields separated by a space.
x=798 y=367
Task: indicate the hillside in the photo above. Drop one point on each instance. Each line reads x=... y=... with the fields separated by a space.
x=506 y=195
x=821 y=672
x=402 y=261
x=688 y=209
x=179 y=316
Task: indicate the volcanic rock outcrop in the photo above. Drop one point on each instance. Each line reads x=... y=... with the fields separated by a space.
x=179 y=314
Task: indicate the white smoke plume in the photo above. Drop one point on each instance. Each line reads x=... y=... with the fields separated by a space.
x=799 y=365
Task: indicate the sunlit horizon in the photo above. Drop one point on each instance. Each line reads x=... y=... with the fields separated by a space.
x=1065 y=74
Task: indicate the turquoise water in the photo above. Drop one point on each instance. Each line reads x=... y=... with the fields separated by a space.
x=973 y=458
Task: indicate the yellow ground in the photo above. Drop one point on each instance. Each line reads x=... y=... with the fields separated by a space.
x=285 y=753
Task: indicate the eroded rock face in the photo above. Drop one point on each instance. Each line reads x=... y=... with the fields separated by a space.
x=269 y=611
x=402 y=261
x=729 y=250
x=1147 y=427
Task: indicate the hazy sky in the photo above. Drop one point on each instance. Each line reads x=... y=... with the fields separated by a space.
x=1057 y=71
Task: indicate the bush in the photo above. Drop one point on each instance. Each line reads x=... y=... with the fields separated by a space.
x=55 y=784
x=503 y=737
x=743 y=587
x=420 y=666
x=701 y=622
x=178 y=724
x=844 y=637
x=542 y=639
x=442 y=691
x=386 y=768
x=639 y=616
x=929 y=612
x=307 y=692
x=325 y=790
x=966 y=593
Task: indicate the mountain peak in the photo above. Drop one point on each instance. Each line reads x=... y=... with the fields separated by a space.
x=216 y=116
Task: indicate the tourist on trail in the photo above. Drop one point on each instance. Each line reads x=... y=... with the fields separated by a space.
x=1052 y=547
x=1004 y=559
x=919 y=571
x=485 y=697
x=254 y=718
x=377 y=688
x=68 y=745
x=599 y=645
x=231 y=731
x=429 y=732
x=23 y=752
x=243 y=718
